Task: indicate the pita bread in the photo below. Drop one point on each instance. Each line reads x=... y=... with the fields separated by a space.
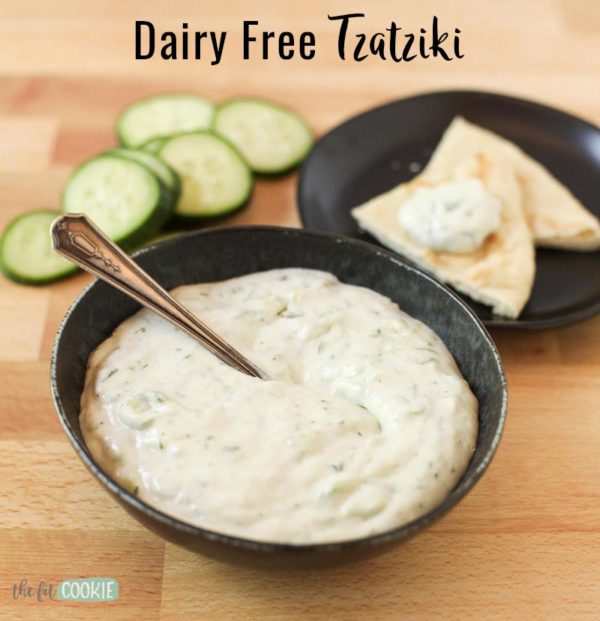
x=557 y=219
x=499 y=273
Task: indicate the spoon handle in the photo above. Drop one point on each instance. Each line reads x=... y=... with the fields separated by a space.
x=78 y=239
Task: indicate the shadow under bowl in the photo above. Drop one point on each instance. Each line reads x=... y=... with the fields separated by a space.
x=221 y=253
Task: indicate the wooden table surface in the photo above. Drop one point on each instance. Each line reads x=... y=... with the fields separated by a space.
x=525 y=544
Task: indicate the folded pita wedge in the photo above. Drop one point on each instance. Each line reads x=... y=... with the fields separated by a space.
x=557 y=219
x=500 y=272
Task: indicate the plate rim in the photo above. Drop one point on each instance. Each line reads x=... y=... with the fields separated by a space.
x=562 y=320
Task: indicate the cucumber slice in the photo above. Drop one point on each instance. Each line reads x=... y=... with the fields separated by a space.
x=215 y=179
x=169 y=179
x=273 y=139
x=26 y=253
x=157 y=165
x=124 y=198
x=162 y=115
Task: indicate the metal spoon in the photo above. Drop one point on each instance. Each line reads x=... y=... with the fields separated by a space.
x=78 y=239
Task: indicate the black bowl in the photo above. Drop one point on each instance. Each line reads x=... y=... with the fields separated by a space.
x=216 y=254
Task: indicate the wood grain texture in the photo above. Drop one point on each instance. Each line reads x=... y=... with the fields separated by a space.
x=525 y=544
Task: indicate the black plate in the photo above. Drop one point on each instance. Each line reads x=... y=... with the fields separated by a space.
x=215 y=254
x=383 y=147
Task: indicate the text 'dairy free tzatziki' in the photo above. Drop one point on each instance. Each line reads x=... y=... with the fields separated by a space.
x=366 y=424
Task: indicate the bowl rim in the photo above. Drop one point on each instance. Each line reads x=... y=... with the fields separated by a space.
x=392 y=535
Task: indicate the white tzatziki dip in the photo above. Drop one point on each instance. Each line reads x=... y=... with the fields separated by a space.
x=452 y=217
x=366 y=424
